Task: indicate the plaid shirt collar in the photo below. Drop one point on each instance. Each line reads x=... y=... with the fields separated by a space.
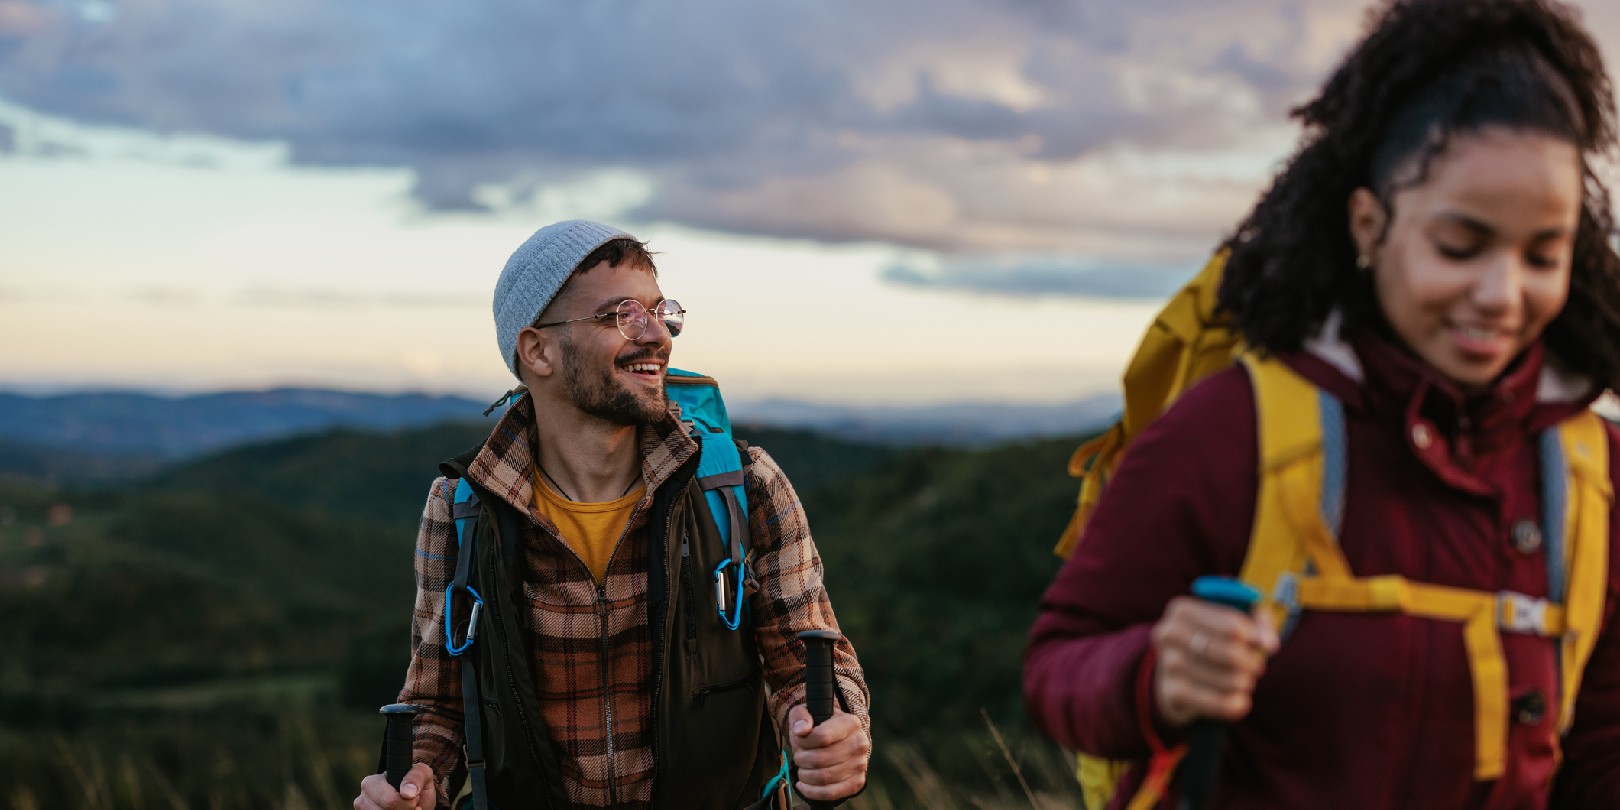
x=505 y=464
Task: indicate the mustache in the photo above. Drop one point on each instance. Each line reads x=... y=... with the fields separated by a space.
x=649 y=353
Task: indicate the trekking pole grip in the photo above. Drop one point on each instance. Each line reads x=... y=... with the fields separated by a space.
x=399 y=740
x=1205 y=740
x=818 y=681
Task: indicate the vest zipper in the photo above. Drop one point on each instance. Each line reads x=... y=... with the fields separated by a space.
x=687 y=589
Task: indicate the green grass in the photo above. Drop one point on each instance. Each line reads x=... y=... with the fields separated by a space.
x=249 y=758
x=253 y=756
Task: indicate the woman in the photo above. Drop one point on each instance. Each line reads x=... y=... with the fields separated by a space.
x=1436 y=258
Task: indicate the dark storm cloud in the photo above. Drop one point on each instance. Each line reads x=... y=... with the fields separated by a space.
x=837 y=120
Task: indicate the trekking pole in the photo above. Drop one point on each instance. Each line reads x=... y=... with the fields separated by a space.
x=398 y=740
x=1206 y=738
x=818 y=681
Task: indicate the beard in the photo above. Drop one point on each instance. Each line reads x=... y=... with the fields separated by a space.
x=600 y=393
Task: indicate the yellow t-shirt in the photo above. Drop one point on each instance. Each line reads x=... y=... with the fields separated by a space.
x=590 y=529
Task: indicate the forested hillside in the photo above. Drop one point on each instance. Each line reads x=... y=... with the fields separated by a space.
x=279 y=575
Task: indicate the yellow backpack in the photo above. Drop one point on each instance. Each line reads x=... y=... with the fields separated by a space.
x=1186 y=343
x=1293 y=556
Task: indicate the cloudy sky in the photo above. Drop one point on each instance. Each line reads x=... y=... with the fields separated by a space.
x=863 y=202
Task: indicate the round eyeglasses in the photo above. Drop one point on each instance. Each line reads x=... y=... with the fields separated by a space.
x=632 y=318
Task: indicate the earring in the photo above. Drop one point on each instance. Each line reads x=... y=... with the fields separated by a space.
x=1362 y=262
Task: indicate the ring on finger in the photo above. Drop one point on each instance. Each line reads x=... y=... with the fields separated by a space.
x=1199 y=644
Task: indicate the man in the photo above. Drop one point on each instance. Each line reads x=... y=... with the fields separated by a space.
x=607 y=673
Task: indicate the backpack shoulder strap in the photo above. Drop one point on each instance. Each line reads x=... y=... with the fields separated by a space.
x=465 y=510
x=721 y=457
x=1577 y=500
x=720 y=477
x=1300 y=503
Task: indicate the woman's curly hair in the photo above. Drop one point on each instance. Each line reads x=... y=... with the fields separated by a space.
x=1428 y=70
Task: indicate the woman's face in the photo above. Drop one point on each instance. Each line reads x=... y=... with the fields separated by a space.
x=1476 y=260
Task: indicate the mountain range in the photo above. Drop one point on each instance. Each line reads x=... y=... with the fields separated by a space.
x=121 y=434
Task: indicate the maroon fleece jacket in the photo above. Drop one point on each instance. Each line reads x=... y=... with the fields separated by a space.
x=1355 y=711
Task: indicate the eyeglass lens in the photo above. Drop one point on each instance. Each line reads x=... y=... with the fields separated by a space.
x=633 y=317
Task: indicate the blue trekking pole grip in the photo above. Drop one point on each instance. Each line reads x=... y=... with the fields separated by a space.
x=399 y=740
x=818 y=681
x=1205 y=740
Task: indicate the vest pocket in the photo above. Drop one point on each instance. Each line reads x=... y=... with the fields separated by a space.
x=722 y=738
x=703 y=693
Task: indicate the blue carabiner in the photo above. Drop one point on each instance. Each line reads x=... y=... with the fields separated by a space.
x=733 y=621
x=450 y=645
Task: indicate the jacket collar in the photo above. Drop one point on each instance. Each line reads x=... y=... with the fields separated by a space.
x=1372 y=374
x=504 y=466
x=1342 y=363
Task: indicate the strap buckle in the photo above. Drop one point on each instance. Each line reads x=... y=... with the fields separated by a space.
x=1518 y=613
x=1286 y=595
x=1286 y=592
x=450 y=644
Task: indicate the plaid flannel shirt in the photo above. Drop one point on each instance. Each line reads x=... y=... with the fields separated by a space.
x=591 y=646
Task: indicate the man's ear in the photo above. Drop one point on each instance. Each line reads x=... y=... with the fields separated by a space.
x=1367 y=219
x=538 y=353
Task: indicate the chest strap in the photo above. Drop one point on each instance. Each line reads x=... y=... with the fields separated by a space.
x=1484 y=616
x=1294 y=554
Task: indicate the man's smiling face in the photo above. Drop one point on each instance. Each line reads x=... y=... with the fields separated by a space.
x=606 y=375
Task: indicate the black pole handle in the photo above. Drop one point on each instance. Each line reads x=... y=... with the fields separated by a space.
x=1207 y=738
x=819 y=695
x=399 y=740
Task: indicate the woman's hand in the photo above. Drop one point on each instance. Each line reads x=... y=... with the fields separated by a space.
x=1209 y=658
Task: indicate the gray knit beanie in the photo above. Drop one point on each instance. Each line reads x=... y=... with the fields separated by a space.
x=536 y=271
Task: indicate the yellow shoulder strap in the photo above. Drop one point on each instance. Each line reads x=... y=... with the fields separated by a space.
x=1585 y=445
x=1288 y=523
